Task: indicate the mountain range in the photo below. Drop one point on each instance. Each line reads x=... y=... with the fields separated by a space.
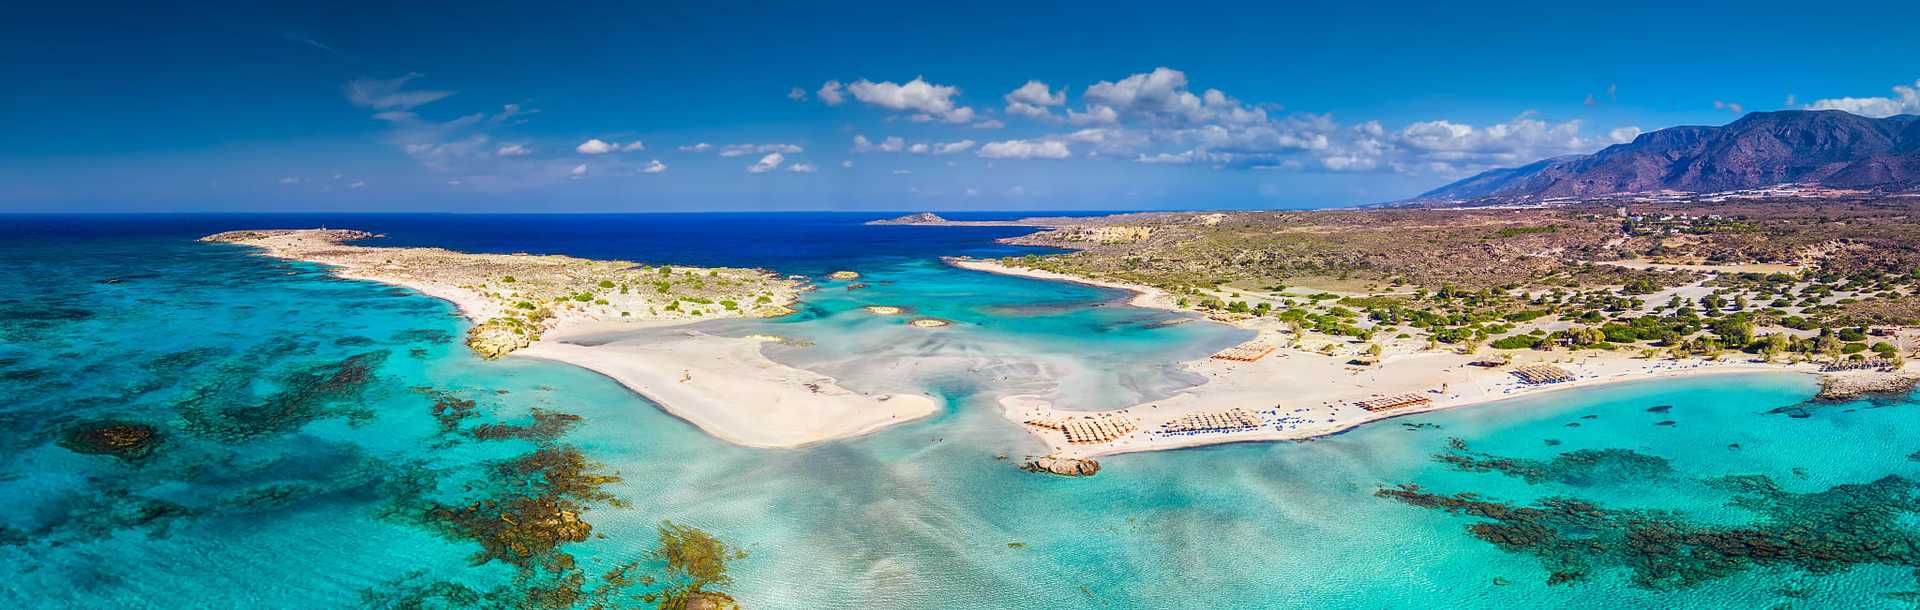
x=1829 y=148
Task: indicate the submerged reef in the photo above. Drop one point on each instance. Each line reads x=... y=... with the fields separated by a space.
x=128 y=441
x=221 y=408
x=525 y=511
x=1581 y=468
x=1819 y=533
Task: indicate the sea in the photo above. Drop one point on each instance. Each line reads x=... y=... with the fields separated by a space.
x=191 y=425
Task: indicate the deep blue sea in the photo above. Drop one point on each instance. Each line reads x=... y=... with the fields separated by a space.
x=304 y=441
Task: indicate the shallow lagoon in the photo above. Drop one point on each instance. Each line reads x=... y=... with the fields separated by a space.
x=297 y=506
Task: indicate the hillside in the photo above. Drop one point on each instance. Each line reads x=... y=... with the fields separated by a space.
x=1822 y=147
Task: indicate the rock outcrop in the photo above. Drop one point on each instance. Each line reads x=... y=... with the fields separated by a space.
x=498 y=337
x=1063 y=466
x=1854 y=384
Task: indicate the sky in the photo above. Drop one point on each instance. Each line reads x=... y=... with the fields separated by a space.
x=636 y=107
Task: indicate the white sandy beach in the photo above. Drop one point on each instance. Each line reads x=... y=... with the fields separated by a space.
x=1302 y=394
x=727 y=387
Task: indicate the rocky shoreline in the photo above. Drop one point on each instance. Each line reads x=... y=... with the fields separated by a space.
x=1855 y=384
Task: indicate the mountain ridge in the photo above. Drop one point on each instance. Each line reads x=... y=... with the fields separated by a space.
x=1829 y=148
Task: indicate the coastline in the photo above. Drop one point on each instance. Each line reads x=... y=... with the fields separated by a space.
x=1301 y=395
x=1143 y=296
x=762 y=403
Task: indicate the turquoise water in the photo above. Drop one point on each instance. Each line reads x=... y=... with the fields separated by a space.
x=283 y=479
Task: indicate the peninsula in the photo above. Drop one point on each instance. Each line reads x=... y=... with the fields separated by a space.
x=577 y=311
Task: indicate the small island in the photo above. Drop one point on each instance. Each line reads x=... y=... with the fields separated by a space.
x=565 y=309
x=921 y=218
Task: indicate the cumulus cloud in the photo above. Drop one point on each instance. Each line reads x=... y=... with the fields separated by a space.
x=989 y=124
x=802 y=168
x=847 y=163
x=1905 y=100
x=513 y=150
x=654 y=167
x=1161 y=97
x=831 y=93
x=390 y=95
x=740 y=150
x=1026 y=149
x=928 y=102
x=1623 y=135
x=593 y=146
x=949 y=148
x=697 y=148
x=768 y=163
x=596 y=146
x=578 y=171
x=1730 y=107
x=1033 y=100
x=889 y=145
x=797 y=94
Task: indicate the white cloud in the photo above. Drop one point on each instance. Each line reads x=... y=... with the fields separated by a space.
x=847 y=163
x=797 y=94
x=802 y=168
x=1096 y=115
x=949 y=148
x=654 y=167
x=593 y=146
x=513 y=150
x=1033 y=100
x=989 y=124
x=291 y=180
x=596 y=146
x=1905 y=100
x=831 y=93
x=891 y=144
x=902 y=172
x=1026 y=149
x=739 y=150
x=389 y=95
x=578 y=171
x=1161 y=97
x=357 y=184
x=1623 y=135
x=928 y=101
x=1729 y=106
x=768 y=163
x=919 y=148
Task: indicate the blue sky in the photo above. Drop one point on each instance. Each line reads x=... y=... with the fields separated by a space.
x=523 y=107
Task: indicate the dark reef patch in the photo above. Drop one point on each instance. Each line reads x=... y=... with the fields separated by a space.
x=545 y=427
x=423 y=335
x=222 y=408
x=1819 y=533
x=1583 y=467
x=128 y=441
